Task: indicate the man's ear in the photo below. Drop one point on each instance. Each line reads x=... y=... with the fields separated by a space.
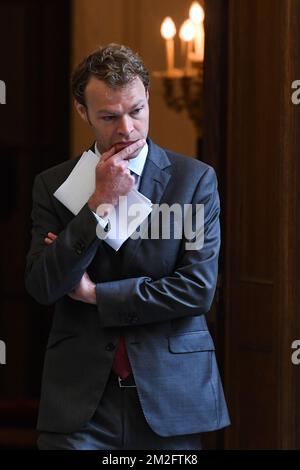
x=82 y=111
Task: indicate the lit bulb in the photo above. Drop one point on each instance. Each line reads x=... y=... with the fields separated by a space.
x=187 y=31
x=168 y=28
x=196 y=13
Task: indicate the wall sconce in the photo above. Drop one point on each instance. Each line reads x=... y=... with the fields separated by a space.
x=183 y=88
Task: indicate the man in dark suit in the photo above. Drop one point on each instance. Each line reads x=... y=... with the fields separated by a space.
x=130 y=363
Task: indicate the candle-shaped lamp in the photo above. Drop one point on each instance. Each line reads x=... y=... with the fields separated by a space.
x=196 y=14
x=187 y=34
x=168 y=31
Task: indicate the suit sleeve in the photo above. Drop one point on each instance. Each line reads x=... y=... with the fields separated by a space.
x=53 y=271
x=189 y=291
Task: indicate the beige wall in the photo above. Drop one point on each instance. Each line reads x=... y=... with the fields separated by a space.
x=135 y=23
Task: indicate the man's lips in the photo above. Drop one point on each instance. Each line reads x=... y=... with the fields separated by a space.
x=122 y=145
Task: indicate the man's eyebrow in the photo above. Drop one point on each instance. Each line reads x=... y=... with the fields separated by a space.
x=115 y=113
x=139 y=103
x=107 y=111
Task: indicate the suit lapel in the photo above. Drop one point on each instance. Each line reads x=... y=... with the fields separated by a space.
x=153 y=184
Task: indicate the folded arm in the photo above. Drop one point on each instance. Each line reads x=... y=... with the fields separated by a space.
x=188 y=291
x=54 y=270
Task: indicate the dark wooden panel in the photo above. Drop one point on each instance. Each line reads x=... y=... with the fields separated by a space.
x=261 y=276
x=255 y=399
x=292 y=200
x=256 y=327
x=34 y=135
x=214 y=153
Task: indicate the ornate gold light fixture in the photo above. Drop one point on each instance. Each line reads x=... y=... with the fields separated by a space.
x=183 y=88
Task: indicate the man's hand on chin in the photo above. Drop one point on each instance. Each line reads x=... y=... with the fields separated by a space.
x=85 y=291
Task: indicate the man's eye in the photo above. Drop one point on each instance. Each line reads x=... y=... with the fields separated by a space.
x=137 y=110
x=108 y=118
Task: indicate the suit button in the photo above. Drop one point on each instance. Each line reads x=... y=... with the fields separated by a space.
x=79 y=247
x=110 y=347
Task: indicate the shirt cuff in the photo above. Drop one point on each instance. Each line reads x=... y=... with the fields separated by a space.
x=103 y=223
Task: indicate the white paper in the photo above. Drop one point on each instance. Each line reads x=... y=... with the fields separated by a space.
x=128 y=215
x=80 y=185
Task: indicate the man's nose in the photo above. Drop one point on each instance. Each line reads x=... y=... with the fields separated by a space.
x=125 y=126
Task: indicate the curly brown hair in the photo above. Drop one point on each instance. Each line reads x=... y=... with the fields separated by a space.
x=115 y=64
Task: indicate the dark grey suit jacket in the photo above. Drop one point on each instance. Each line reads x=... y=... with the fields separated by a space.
x=156 y=292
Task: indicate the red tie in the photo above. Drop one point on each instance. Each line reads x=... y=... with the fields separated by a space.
x=121 y=364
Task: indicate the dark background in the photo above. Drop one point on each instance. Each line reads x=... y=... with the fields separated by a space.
x=34 y=135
